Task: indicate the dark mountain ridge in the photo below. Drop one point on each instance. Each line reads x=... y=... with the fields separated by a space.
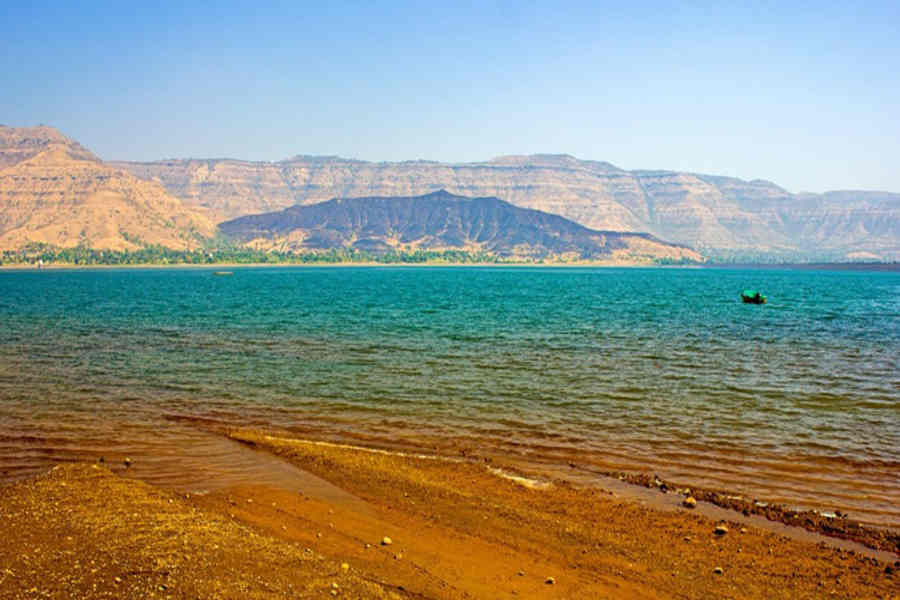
x=442 y=221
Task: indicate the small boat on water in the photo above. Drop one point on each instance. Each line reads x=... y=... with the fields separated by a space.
x=752 y=297
x=223 y=273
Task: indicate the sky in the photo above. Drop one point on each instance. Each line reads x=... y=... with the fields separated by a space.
x=803 y=94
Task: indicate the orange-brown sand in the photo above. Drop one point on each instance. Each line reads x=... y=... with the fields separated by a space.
x=457 y=530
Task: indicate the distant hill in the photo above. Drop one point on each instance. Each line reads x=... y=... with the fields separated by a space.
x=443 y=221
x=54 y=191
x=721 y=216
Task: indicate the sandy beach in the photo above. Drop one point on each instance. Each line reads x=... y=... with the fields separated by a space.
x=375 y=524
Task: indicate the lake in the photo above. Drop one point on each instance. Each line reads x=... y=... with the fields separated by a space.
x=660 y=370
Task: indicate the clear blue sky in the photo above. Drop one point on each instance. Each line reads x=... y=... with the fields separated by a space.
x=806 y=95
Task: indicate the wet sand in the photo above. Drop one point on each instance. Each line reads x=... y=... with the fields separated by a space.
x=457 y=529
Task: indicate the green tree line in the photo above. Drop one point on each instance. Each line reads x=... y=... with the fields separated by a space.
x=34 y=254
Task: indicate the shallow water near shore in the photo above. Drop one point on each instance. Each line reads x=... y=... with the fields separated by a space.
x=663 y=370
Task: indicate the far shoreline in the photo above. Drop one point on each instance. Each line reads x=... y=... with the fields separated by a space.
x=221 y=266
x=863 y=267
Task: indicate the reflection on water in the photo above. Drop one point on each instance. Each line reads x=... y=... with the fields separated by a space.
x=646 y=369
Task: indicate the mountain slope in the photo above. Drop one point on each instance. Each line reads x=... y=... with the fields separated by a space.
x=716 y=214
x=18 y=144
x=54 y=191
x=442 y=221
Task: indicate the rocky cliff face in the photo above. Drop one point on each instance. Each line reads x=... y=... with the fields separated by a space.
x=720 y=215
x=443 y=221
x=54 y=191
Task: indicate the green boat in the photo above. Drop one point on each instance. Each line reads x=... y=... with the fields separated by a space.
x=752 y=297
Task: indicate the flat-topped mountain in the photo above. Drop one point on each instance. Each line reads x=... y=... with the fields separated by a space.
x=443 y=221
x=718 y=214
x=54 y=191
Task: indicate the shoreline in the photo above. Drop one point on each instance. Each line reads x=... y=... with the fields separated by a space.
x=834 y=529
x=213 y=455
x=215 y=266
x=834 y=526
x=753 y=495
x=456 y=530
x=884 y=267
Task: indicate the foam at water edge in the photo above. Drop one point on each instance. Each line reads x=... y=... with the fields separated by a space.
x=533 y=484
x=362 y=449
x=528 y=482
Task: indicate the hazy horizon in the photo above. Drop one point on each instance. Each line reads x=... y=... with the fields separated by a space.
x=802 y=96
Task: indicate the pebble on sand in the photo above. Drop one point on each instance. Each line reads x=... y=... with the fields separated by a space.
x=127 y=462
x=721 y=530
x=690 y=502
x=386 y=541
x=345 y=567
x=719 y=571
x=550 y=580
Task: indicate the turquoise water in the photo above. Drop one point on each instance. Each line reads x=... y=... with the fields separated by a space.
x=661 y=370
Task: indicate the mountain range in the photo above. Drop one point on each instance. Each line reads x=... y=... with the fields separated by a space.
x=720 y=216
x=443 y=221
x=55 y=191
